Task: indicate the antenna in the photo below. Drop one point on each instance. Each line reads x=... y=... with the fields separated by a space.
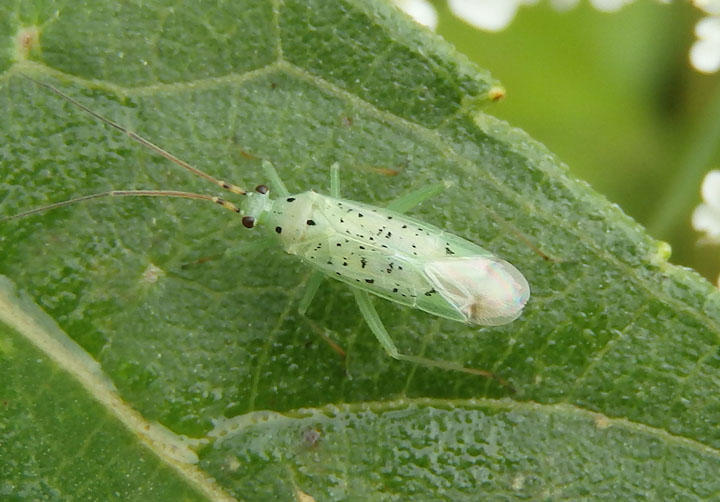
x=126 y=193
x=133 y=193
x=139 y=139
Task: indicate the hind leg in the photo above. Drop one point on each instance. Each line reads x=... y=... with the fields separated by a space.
x=367 y=309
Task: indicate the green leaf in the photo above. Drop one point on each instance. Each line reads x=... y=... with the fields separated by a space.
x=151 y=349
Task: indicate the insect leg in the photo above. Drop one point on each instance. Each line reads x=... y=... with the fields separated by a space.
x=335 y=180
x=376 y=326
x=274 y=179
x=412 y=199
x=367 y=309
x=312 y=286
x=248 y=250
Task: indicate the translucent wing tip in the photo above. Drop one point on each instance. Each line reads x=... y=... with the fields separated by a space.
x=488 y=291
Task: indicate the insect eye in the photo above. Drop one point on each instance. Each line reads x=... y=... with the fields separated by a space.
x=248 y=221
x=263 y=189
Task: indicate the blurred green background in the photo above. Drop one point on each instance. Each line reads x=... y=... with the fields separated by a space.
x=615 y=97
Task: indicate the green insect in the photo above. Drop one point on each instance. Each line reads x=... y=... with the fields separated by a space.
x=376 y=251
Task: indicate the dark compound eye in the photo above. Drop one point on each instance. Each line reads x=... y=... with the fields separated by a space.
x=263 y=189
x=248 y=221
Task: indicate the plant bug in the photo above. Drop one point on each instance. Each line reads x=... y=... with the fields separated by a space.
x=376 y=251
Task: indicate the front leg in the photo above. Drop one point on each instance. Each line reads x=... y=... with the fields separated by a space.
x=274 y=179
x=335 y=180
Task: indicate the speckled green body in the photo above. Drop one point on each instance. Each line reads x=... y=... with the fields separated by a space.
x=396 y=257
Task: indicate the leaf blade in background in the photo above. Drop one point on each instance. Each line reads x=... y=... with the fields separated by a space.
x=195 y=327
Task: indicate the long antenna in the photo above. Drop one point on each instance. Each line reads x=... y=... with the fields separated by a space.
x=126 y=193
x=139 y=139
